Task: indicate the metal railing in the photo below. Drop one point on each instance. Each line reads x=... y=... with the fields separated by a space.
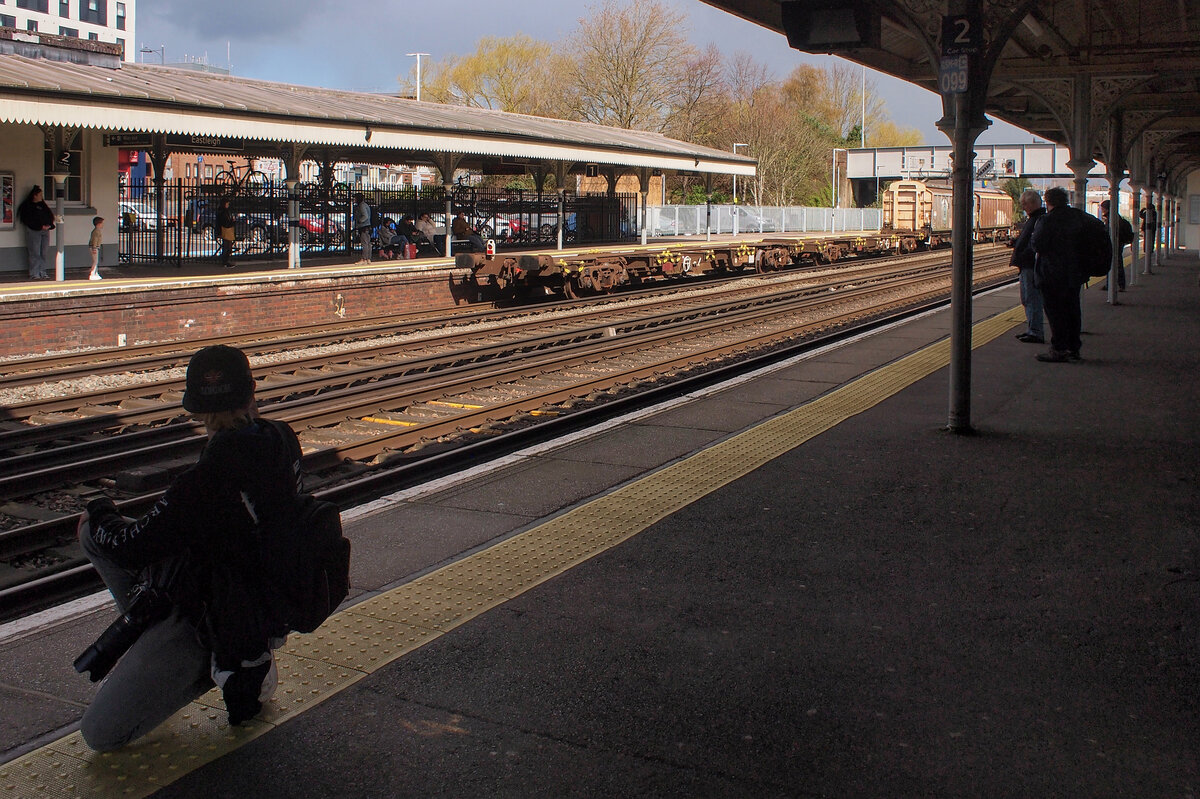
x=695 y=220
x=182 y=226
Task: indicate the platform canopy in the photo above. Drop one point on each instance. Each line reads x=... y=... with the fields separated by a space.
x=1114 y=80
x=274 y=118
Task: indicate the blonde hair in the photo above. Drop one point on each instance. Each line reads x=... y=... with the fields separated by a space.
x=227 y=420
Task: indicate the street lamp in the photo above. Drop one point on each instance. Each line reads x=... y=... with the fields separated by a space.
x=418 y=57
x=162 y=53
x=736 y=145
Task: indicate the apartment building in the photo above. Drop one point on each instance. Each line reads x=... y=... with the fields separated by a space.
x=97 y=20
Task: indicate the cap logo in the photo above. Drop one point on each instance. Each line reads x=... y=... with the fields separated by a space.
x=214 y=382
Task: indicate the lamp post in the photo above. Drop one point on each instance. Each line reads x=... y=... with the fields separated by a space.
x=418 y=57
x=834 y=188
x=162 y=53
x=736 y=145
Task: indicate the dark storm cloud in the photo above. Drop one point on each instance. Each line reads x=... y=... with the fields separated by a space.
x=239 y=20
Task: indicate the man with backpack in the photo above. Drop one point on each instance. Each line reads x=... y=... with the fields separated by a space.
x=1071 y=246
x=198 y=578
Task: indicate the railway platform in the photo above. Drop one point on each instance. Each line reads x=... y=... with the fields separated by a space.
x=795 y=584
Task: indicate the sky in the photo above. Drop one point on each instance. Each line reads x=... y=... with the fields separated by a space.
x=363 y=46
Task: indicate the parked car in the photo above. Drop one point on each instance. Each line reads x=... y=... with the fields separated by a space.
x=748 y=222
x=314 y=230
x=138 y=215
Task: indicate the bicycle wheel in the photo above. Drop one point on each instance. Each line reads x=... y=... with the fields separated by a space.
x=256 y=184
x=227 y=181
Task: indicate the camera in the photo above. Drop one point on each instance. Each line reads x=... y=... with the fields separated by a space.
x=147 y=605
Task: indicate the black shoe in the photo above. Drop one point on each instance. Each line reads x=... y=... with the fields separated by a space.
x=1054 y=356
x=1029 y=338
x=1074 y=355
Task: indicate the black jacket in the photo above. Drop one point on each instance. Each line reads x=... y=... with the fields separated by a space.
x=200 y=541
x=35 y=216
x=1059 y=241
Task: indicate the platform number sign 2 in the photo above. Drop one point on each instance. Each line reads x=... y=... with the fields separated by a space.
x=961 y=39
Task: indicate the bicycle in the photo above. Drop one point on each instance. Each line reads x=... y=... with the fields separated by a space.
x=233 y=182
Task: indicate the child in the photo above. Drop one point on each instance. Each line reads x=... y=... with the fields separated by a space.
x=94 y=246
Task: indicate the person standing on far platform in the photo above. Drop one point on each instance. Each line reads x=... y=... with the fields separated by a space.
x=362 y=226
x=38 y=220
x=94 y=245
x=1060 y=239
x=1024 y=258
x=225 y=222
x=1124 y=237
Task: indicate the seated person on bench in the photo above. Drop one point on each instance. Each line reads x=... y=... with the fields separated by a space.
x=428 y=230
x=462 y=230
x=391 y=243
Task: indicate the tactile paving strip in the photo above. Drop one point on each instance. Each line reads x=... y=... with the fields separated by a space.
x=374 y=632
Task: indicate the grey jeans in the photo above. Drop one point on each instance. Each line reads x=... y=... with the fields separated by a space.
x=162 y=672
x=37 y=246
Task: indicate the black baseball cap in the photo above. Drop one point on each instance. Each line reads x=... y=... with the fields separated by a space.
x=218 y=379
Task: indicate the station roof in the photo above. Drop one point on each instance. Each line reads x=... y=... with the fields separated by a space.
x=358 y=125
x=1076 y=72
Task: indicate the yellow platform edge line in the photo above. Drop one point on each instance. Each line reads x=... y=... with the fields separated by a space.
x=382 y=628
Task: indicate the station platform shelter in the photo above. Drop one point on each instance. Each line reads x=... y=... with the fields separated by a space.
x=794 y=584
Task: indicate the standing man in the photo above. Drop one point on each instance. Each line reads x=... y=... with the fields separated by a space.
x=1149 y=217
x=1059 y=239
x=1124 y=236
x=362 y=225
x=1024 y=258
x=38 y=221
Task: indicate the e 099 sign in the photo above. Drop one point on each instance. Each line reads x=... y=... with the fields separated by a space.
x=953 y=74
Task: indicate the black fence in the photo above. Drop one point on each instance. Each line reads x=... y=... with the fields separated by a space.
x=183 y=226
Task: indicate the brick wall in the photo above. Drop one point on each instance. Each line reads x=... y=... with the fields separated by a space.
x=184 y=312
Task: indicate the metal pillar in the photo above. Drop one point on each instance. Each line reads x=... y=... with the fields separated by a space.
x=293 y=222
x=60 y=224
x=1131 y=274
x=448 y=188
x=1115 y=174
x=158 y=159
x=967 y=127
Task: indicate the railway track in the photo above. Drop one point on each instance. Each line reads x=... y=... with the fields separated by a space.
x=376 y=411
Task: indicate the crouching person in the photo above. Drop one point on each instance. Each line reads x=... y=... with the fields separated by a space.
x=187 y=577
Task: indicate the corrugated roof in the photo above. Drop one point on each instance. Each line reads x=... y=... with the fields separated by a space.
x=150 y=98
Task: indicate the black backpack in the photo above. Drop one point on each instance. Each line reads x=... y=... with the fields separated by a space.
x=308 y=564
x=1096 y=257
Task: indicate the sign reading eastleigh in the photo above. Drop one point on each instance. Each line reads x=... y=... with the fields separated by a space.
x=177 y=142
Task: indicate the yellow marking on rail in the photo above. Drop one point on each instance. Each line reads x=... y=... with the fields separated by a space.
x=543 y=413
x=396 y=422
x=367 y=636
x=460 y=405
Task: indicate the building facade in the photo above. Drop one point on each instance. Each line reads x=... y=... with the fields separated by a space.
x=97 y=20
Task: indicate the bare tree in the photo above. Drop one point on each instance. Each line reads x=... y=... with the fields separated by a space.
x=626 y=64
x=700 y=100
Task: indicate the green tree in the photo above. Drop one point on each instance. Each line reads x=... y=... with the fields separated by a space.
x=1013 y=187
x=503 y=74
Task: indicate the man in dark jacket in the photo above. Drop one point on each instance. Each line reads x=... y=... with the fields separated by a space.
x=198 y=547
x=1024 y=258
x=1124 y=237
x=1059 y=241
